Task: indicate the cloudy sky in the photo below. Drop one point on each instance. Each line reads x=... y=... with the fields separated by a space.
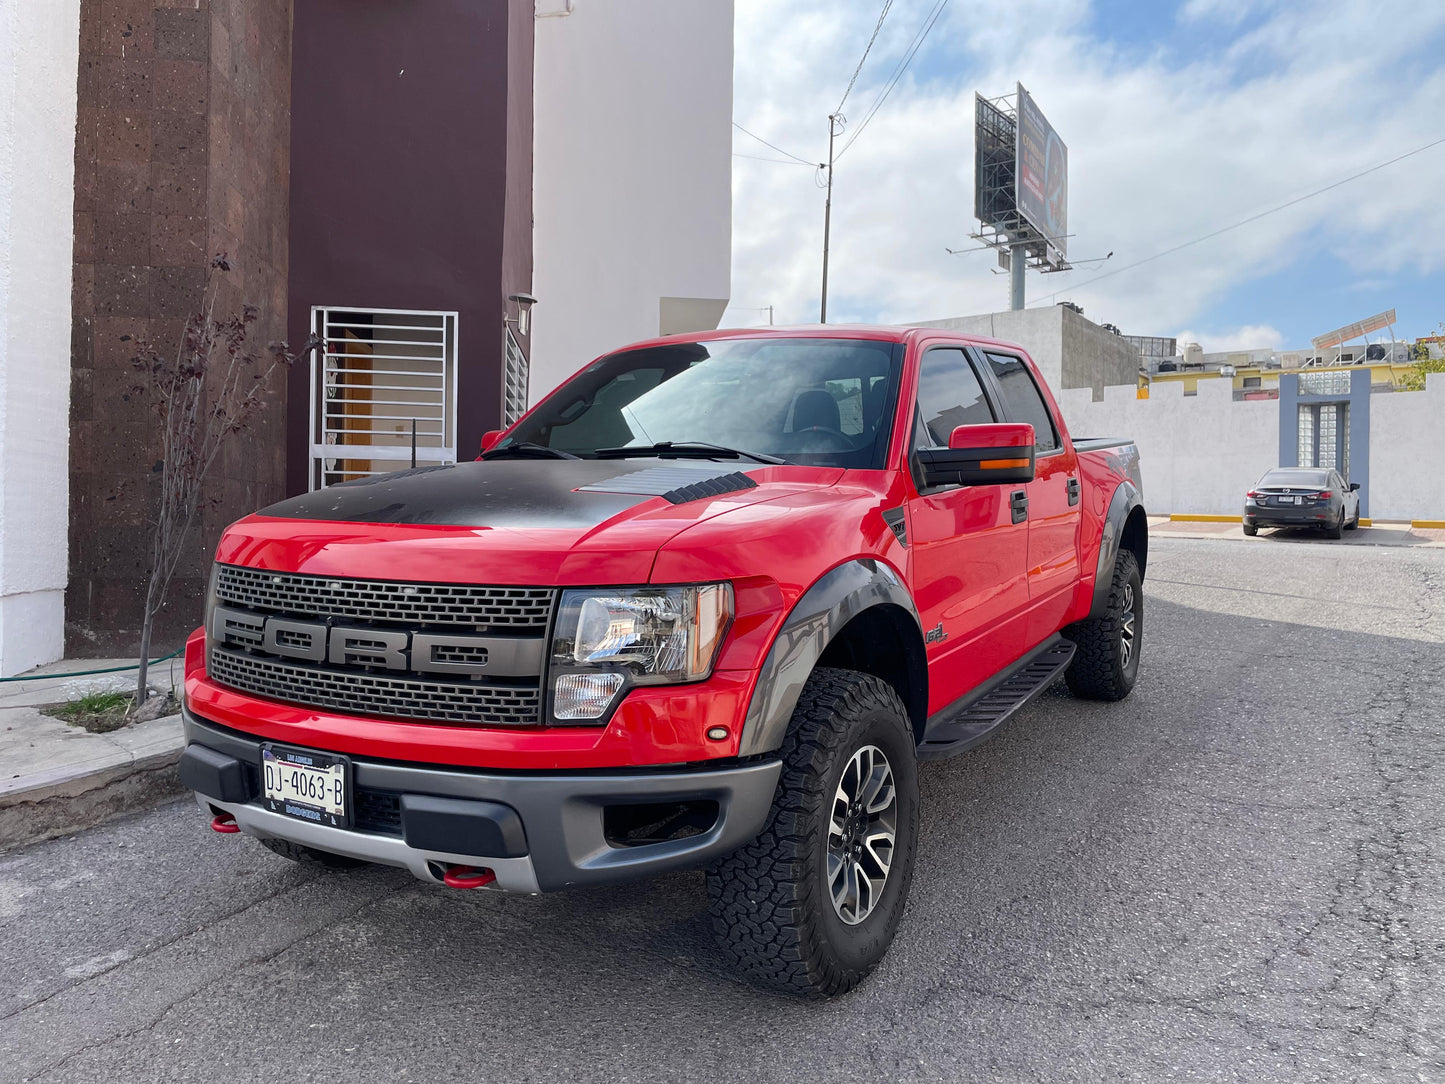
x=1180 y=117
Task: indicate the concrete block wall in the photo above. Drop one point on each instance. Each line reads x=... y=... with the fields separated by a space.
x=39 y=56
x=1407 y=453
x=1198 y=454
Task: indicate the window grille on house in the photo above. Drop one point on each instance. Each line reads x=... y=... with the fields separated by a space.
x=514 y=381
x=385 y=374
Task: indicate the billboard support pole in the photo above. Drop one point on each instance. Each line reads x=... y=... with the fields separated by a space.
x=827 y=217
x=1017 y=260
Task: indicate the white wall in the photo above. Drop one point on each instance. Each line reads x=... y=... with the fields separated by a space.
x=1407 y=452
x=632 y=189
x=39 y=58
x=1197 y=453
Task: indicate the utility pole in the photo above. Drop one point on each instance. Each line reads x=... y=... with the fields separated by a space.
x=770 y=316
x=828 y=216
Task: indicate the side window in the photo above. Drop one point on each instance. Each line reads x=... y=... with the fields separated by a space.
x=949 y=395
x=1022 y=401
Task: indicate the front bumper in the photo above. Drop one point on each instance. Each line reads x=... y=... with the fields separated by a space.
x=537 y=831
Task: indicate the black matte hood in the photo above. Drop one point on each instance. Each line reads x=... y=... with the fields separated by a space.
x=516 y=493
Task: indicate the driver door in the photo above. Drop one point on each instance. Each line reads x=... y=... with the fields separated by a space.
x=969 y=547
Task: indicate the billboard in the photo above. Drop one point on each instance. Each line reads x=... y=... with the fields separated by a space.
x=1042 y=174
x=1357 y=330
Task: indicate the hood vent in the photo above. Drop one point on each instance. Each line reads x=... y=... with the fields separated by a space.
x=677 y=484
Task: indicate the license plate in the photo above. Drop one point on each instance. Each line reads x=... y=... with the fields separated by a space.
x=309 y=786
x=1289 y=500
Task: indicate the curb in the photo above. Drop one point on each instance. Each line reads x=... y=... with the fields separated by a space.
x=55 y=802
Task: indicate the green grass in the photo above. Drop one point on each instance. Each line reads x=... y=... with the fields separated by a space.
x=97 y=712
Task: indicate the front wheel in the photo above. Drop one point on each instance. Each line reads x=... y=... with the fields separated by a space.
x=811 y=906
x=1106 y=659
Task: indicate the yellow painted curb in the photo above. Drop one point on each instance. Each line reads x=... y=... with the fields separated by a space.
x=1429 y=524
x=1365 y=521
x=1190 y=517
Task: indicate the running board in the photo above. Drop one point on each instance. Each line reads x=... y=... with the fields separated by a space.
x=979 y=715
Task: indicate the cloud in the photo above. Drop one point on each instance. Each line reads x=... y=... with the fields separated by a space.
x=1248 y=337
x=1167 y=142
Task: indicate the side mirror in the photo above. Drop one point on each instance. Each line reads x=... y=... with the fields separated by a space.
x=490 y=438
x=1355 y=486
x=981 y=455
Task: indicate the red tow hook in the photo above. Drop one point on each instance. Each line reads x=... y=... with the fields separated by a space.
x=224 y=823
x=467 y=877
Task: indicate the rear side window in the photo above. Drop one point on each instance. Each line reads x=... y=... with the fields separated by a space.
x=949 y=395
x=1022 y=401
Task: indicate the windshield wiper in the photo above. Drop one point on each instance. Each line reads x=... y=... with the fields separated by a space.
x=692 y=449
x=527 y=449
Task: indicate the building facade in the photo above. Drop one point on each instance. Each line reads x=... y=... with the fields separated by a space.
x=401 y=177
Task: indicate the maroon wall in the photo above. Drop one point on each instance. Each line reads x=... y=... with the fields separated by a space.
x=181 y=152
x=411 y=178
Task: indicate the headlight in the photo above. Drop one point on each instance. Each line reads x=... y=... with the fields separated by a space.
x=605 y=640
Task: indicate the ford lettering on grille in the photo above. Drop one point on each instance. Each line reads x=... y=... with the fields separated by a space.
x=375 y=648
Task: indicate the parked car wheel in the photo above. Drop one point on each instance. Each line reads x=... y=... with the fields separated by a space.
x=1251 y=530
x=811 y=905
x=310 y=856
x=1106 y=662
x=1336 y=529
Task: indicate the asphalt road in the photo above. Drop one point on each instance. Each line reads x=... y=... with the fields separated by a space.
x=1234 y=875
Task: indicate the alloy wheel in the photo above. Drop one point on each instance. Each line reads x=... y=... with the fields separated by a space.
x=862 y=833
x=1127 y=630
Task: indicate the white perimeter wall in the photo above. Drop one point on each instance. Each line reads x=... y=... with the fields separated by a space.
x=632 y=189
x=1200 y=453
x=1407 y=452
x=1197 y=454
x=39 y=57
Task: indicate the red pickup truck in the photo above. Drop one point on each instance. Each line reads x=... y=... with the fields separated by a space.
x=705 y=605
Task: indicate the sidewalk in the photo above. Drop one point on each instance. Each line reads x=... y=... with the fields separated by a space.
x=1378 y=533
x=57 y=778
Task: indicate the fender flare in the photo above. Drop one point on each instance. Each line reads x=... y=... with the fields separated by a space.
x=824 y=609
x=1126 y=499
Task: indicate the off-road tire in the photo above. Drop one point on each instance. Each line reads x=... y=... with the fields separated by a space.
x=1251 y=530
x=1099 y=670
x=310 y=856
x=1337 y=529
x=772 y=906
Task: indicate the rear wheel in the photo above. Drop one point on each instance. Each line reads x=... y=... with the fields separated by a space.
x=811 y=906
x=1250 y=529
x=1106 y=662
x=1336 y=529
x=310 y=856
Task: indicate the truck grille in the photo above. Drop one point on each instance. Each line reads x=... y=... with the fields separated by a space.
x=515 y=609
x=303 y=611
x=359 y=693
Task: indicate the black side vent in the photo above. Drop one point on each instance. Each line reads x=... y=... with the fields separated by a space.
x=710 y=487
x=894 y=518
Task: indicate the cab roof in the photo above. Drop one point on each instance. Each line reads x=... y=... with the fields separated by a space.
x=873 y=332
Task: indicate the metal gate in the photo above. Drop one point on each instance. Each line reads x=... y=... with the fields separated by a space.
x=383 y=394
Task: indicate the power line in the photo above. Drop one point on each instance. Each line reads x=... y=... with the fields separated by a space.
x=778 y=161
x=876 y=27
x=914 y=46
x=1244 y=221
x=775 y=147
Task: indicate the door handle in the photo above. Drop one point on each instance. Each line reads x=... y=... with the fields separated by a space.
x=1073 y=488
x=1018 y=502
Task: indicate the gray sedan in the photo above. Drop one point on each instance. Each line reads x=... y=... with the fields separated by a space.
x=1303 y=497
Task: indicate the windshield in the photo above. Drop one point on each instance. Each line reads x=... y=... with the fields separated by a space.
x=824 y=402
x=1295 y=478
